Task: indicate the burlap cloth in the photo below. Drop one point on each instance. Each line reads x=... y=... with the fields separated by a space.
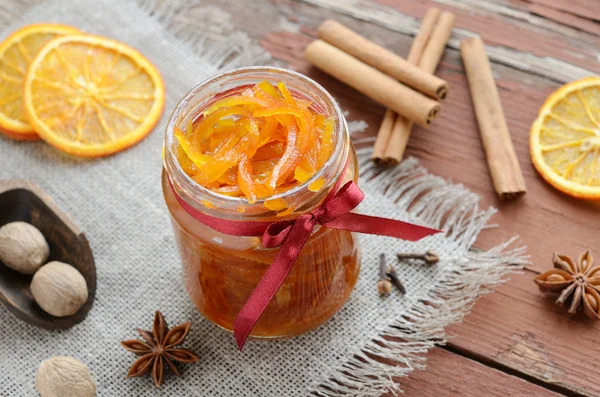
x=118 y=202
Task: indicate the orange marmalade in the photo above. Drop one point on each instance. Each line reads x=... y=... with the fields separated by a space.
x=259 y=144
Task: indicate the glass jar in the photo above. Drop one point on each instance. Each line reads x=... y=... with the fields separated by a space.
x=221 y=271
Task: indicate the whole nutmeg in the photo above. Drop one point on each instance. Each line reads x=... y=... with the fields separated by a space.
x=59 y=289
x=23 y=247
x=64 y=377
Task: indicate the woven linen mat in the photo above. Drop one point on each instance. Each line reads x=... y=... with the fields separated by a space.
x=118 y=202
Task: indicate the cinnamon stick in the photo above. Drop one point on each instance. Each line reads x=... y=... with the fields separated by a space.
x=501 y=157
x=434 y=51
x=382 y=59
x=428 y=24
x=414 y=55
x=371 y=82
x=429 y=61
x=383 y=135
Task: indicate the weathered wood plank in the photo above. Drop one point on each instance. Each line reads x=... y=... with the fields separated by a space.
x=517 y=327
x=509 y=41
x=449 y=375
x=566 y=18
x=451 y=146
x=520 y=328
x=549 y=18
x=583 y=8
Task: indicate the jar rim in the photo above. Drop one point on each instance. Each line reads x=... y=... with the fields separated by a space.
x=176 y=171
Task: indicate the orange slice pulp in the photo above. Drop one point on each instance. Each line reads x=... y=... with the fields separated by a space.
x=91 y=96
x=565 y=139
x=16 y=54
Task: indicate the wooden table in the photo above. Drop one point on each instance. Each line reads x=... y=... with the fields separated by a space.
x=516 y=342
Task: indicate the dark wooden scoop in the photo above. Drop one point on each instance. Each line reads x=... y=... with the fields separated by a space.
x=23 y=201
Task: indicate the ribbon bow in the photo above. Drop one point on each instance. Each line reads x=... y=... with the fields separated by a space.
x=291 y=235
x=334 y=207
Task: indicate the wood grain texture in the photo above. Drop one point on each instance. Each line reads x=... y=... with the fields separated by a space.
x=512 y=41
x=23 y=201
x=516 y=328
x=451 y=148
x=566 y=18
x=449 y=375
x=520 y=328
x=517 y=10
x=583 y=8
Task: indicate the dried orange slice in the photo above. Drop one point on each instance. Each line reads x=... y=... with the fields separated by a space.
x=16 y=53
x=565 y=139
x=91 y=96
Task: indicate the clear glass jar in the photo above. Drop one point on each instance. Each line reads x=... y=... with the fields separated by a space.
x=221 y=271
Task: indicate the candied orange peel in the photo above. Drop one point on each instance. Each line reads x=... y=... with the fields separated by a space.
x=256 y=144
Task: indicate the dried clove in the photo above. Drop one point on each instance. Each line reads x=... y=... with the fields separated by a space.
x=384 y=285
x=430 y=257
x=388 y=278
x=391 y=273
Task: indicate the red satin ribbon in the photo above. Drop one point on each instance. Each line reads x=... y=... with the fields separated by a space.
x=291 y=235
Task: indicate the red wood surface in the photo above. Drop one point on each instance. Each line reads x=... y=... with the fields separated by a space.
x=583 y=8
x=546 y=219
x=450 y=375
x=566 y=18
x=519 y=328
x=505 y=32
x=516 y=330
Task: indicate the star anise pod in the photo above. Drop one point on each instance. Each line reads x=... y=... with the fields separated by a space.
x=159 y=349
x=577 y=282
